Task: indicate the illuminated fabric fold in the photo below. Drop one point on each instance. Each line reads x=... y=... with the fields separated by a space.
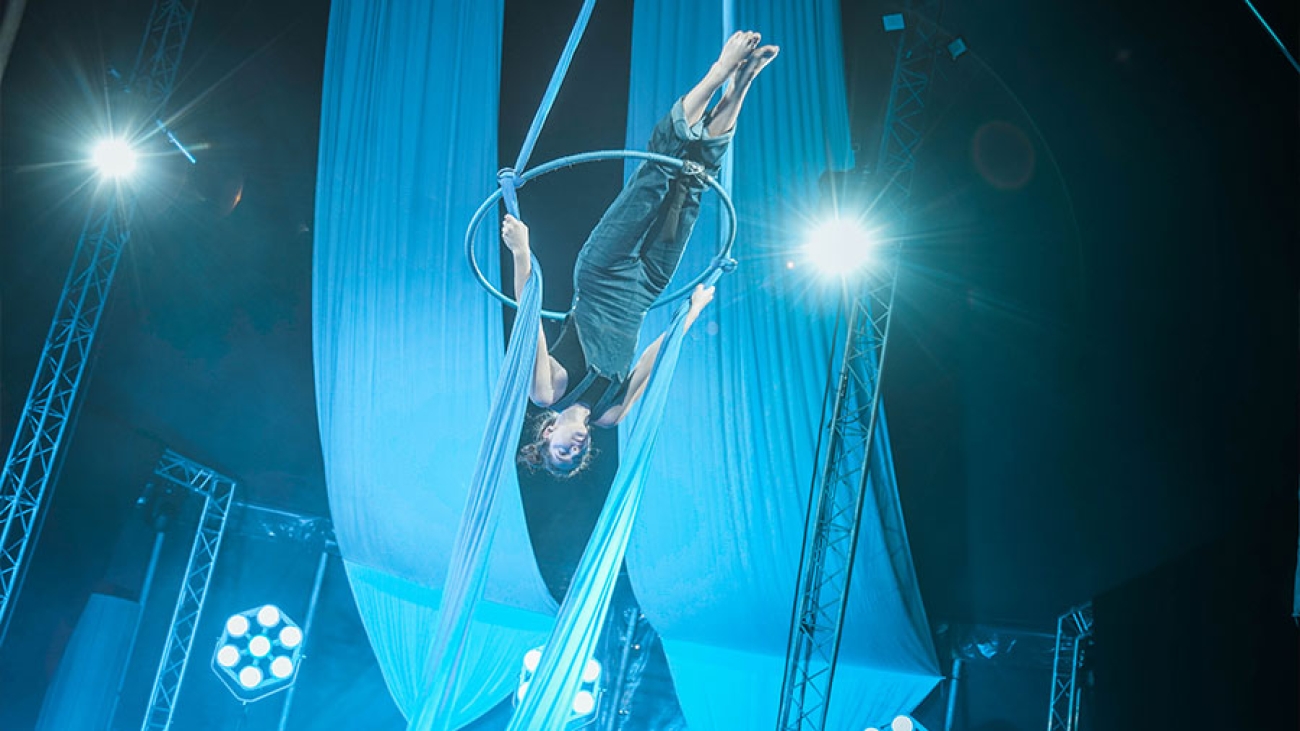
x=545 y=707
x=407 y=348
x=715 y=555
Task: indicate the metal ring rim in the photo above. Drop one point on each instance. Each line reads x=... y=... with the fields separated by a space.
x=598 y=156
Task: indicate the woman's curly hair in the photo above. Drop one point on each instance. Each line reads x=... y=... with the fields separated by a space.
x=533 y=454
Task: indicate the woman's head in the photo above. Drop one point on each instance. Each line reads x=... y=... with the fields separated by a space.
x=561 y=446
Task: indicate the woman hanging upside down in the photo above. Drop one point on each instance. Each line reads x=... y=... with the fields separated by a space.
x=626 y=263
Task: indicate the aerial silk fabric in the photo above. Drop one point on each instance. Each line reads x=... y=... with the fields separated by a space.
x=407 y=347
x=545 y=707
x=715 y=555
x=468 y=566
x=82 y=693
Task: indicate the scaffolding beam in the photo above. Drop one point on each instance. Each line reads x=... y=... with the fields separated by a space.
x=154 y=75
x=1073 y=637
x=218 y=494
x=909 y=89
x=835 y=506
x=35 y=456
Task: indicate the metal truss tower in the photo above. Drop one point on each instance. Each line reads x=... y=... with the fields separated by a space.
x=218 y=494
x=32 y=467
x=1073 y=636
x=835 y=509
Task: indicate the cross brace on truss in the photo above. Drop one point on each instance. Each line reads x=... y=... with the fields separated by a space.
x=835 y=510
x=31 y=469
x=1073 y=636
x=834 y=519
x=218 y=494
x=51 y=403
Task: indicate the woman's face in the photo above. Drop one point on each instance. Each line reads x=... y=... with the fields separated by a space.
x=566 y=444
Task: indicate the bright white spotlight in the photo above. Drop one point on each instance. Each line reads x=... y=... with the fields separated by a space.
x=902 y=723
x=590 y=671
x=519 y=694
x=114 y=158
x=290 y=637
x=259 y=646
x=268 y=616
x=282 y=667
x=584 y=703
x=531 y=659
x=250 y=676
x=839 y=246
x=228 y=656
x=237 y=625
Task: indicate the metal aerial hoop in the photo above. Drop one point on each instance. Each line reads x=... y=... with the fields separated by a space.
x=32 y=467
x=721 y=260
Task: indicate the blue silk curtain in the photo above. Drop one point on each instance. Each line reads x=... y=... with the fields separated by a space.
x=407 y=349
x=406 y=345
x=716 y=551
x=83 y=690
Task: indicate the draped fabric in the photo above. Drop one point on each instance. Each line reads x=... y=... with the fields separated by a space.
x=407 y=347
x=468 y=567
x=715 y=556
x=546 y=705
x=407 y=350
x=82 y=693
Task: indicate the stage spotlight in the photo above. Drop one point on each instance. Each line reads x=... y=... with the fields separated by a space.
x=290 y=637
x=956 y=48
x=114 y=158
x=228 y=656
x=282 y=667
x=582 y=711
x=839 y=246
x=902 y=723
x=531 y=658
x=268 y=616
x=250 y=676
x=259 y=653
x=237 y=625
x=259 y=646
x=584 y=703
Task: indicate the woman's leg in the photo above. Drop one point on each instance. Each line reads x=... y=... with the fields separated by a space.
x=734 y=52
x=664 y=247
x=723 y=117
x=648 y=224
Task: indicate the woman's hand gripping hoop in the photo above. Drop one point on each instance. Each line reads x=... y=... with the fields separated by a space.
x=722 y=260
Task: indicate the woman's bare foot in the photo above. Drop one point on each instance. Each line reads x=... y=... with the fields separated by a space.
x=756 y=61
x=734 y=52
x=723 y=117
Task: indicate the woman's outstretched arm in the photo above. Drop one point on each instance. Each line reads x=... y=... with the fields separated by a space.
x=549 y=377
x=640 y=377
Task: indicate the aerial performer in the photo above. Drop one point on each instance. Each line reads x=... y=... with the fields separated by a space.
x=588 y=378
